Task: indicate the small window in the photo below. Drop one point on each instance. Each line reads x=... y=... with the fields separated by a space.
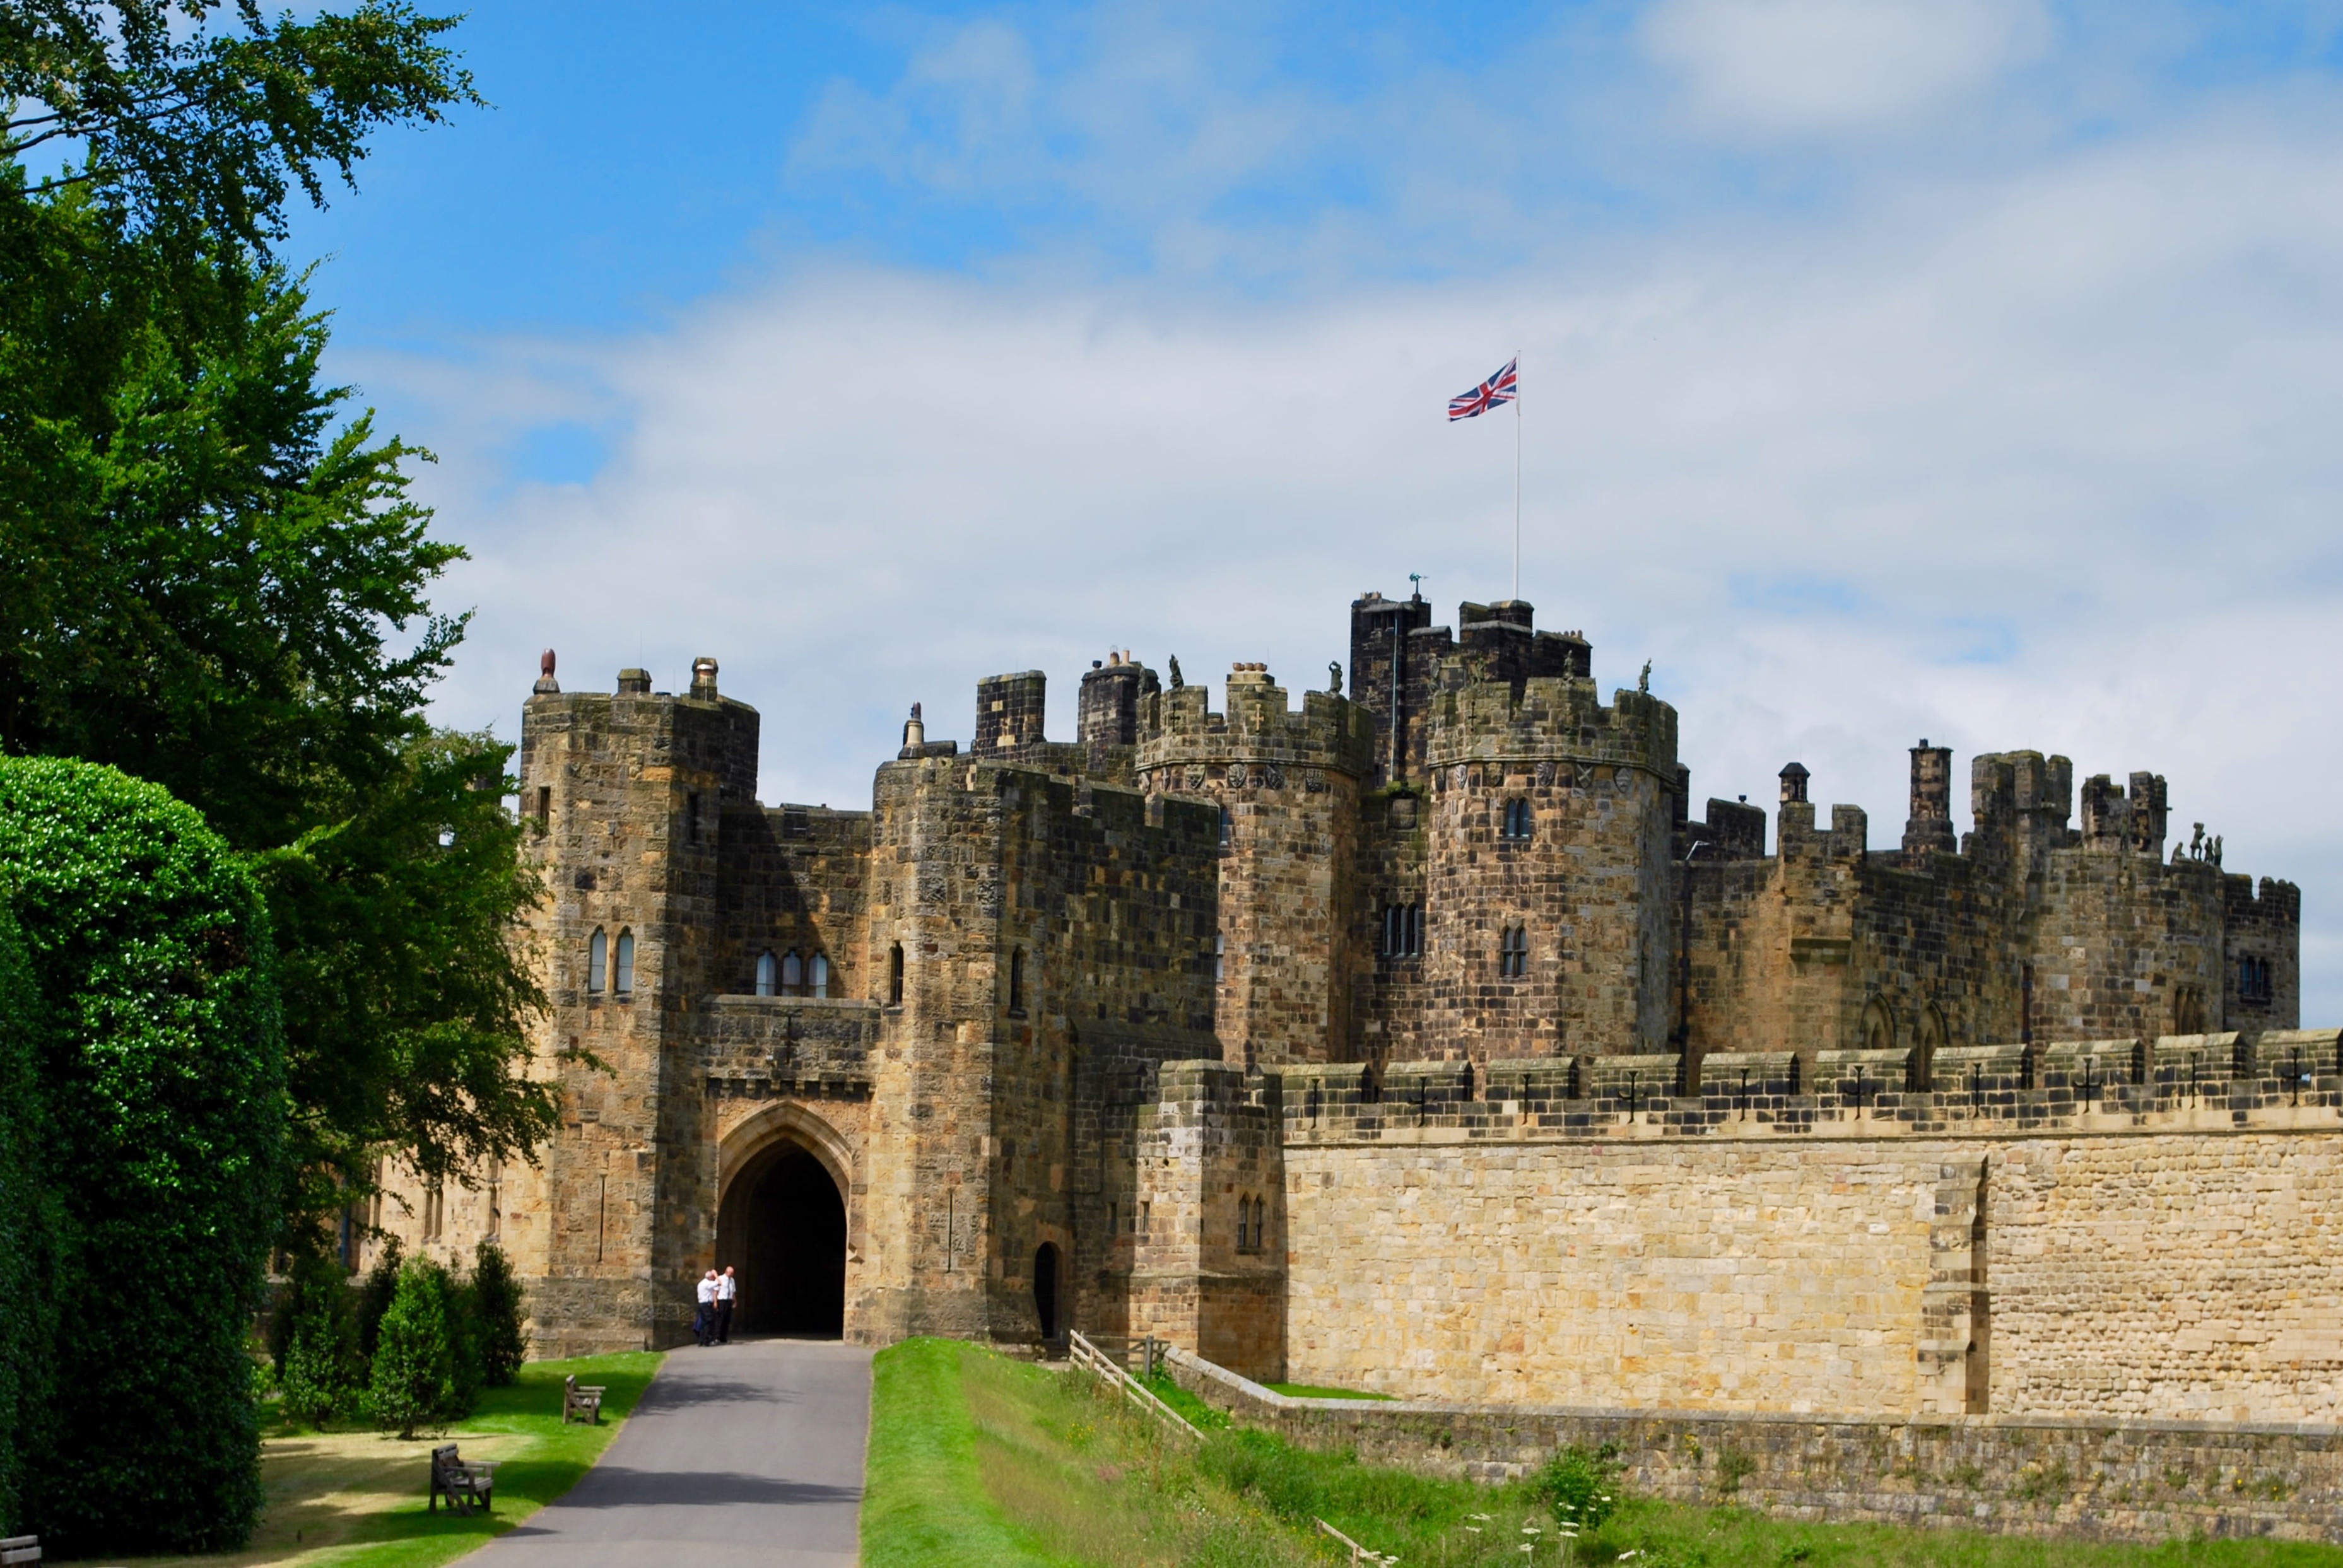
x=768 y=971
x=435 y=1210
x=544 y=805
x=2253 y=980
x=691 y=819
x=1244 y=1224
x=1517 y=819
x=1219 y=958
x=598 y=960
x=1514 y=953
x=818 y=971
x=622 y=966
x=1260 y=1223
x=1403 y=932
x=1228 y=828
x=1017 y=980
x=792 y=973
x=895 y=975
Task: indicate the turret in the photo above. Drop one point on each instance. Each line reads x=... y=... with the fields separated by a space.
x=1929 y=829
x=1287 y=785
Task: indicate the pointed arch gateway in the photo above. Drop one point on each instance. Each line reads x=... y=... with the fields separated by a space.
x=783 y=1181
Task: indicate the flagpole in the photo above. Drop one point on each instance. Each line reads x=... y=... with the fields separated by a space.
x=1517 y=473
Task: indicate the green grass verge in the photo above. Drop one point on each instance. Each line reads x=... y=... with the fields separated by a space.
x=1311 y=1391
x=356 y=1499
x=975 y=1458
x=923 y=1497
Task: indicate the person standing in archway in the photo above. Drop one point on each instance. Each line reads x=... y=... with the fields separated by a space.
x=728 y=1293
x=703 y=1322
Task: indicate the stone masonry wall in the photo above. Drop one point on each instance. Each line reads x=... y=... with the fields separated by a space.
x=2157 y=1250
x=2137 y=1481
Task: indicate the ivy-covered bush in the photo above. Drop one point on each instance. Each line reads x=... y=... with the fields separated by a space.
x=499 y=1316
x=26 y=1325
x=159 y=1074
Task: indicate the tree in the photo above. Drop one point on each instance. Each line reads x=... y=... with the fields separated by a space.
x=496 y=1301
x=413 y=1383
x=216 y=579
x=320 y=1368
x=28 y=1302
x=375 y=1296
x=194 y=130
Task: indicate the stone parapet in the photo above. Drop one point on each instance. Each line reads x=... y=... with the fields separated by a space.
x=2108 y=1480
x=1556 y=719
x=2284 y=1079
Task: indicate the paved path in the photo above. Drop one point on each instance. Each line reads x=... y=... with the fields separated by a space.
x=747 y=1453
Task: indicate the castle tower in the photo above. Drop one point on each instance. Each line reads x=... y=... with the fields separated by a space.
x=1287 y=784
x=1549 y=919
x=625 y=795
x=1108 y=712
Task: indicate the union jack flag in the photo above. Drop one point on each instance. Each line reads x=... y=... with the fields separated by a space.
x=1495 y=391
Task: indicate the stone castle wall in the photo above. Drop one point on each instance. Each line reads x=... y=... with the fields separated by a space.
x=1205 y=1025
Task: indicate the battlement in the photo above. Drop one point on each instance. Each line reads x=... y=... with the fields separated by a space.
x=1178 y=729
x=2133 y=821
x=703 y=732
x=1556 y=718
x=2208 y=1083
x=2279 y=902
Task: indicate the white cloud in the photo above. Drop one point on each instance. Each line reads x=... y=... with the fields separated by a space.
x=2038 y=464
x=1829 y=65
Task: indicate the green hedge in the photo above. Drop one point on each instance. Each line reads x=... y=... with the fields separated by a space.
x=25 y=1326
x=160 y=1068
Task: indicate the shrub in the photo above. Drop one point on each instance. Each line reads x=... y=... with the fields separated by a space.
x=1582 y=1486
x=414 y=1373
x=319 y=1369
x=496 y=1304
x=375 y=1294
x=160 y=1073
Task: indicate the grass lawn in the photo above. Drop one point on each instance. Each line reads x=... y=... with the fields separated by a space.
x=356 y=1498
x=1311 y=1391
x=975 y=1458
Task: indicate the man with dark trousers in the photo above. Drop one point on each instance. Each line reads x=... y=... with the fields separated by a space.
x=728 y=1293
x=703 y=1322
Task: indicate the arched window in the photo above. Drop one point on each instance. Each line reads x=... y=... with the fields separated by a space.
x=1514 y=953
x=598 y=960
x=792 y=974
x=1878 y=1027
x=1244 y=1224
x=1260 y=1223
x=818 y=972
x=622 y=968
x=895 y=975
x=768 y=972
x=1517 y=819
x=1017 y=980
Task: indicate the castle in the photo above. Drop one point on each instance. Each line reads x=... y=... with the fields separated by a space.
x=1420 y=1038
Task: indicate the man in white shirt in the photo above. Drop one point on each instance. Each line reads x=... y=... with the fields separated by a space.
x=727 y=1295
x=703 y=1323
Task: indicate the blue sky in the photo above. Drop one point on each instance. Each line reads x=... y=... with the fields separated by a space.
x=1964 y=368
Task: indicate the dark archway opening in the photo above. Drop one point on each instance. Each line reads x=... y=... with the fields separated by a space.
x=1045 y=1288
x=783 y=1226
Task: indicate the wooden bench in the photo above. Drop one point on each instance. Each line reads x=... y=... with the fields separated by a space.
x=581 y=1401
x=461 y=1483
x=20 y=1549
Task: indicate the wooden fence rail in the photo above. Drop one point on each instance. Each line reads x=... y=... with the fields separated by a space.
x=1097 y=1362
